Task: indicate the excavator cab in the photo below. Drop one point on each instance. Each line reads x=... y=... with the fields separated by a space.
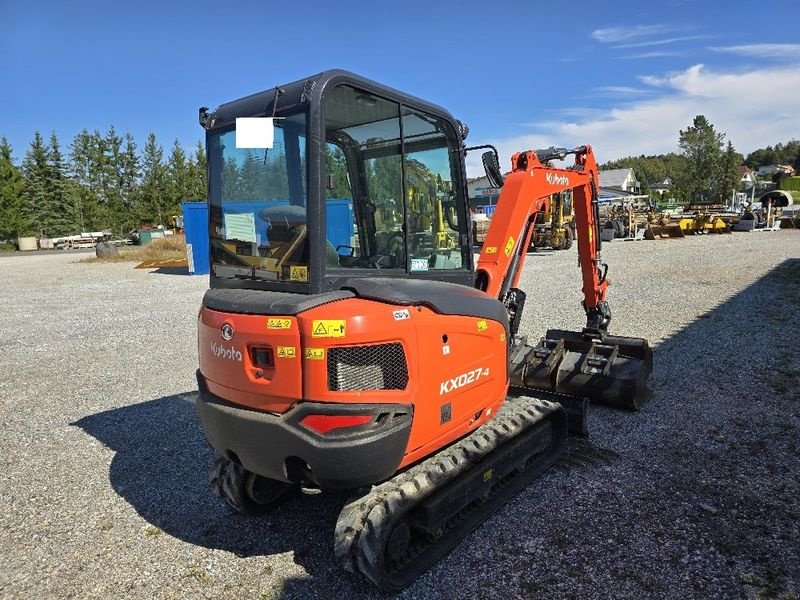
x=359 y=180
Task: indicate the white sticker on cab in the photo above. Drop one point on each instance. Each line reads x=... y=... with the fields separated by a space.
x=255 y=132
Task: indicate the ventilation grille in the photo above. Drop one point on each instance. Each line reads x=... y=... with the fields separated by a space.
x=379 y=367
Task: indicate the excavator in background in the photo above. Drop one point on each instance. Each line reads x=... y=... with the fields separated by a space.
x=342 y=350
x=555 y=228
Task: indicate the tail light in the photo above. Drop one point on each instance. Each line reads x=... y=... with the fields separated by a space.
x=322 y=424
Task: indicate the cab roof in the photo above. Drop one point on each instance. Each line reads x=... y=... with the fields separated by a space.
x=310 y=89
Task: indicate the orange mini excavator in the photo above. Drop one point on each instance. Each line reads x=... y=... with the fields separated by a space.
x=351 y=340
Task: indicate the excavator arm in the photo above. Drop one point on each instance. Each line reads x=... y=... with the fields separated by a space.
x=525 y=193
x=585 y=364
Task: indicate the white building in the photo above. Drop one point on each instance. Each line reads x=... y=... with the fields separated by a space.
x=619 y=179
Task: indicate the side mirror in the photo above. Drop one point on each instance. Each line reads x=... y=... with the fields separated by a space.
x=492 y=167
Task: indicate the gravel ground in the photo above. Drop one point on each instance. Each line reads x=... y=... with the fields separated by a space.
x=103 y=482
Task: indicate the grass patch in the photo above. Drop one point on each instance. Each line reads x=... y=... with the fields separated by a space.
x=152 y=531
x=199 y=574
x=166 y=249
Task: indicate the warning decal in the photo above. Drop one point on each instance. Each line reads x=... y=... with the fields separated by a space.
x=509 y=246
x=298 y=274
x=482 y=325
x=287 y=352
x=279 y=323
x=491 y=250
x=328 y=328
x=314 y=353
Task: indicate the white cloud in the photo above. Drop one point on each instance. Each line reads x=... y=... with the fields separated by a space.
x=620 y=90
x=791 y=51
x=655 y=54
x=754 y=108
x=663 y=42
x=627 y=32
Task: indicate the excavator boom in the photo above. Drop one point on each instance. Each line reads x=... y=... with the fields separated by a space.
x=524 y=195
x=590 y=363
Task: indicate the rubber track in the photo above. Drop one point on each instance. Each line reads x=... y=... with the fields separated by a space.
x=364 y=525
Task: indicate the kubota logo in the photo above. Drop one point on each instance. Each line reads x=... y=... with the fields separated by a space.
x=226 y=332
x=230 y=353
x=461 y=380
x=556 y=179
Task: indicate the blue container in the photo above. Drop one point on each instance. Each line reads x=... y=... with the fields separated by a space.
x=339 y=227
x=195 y=221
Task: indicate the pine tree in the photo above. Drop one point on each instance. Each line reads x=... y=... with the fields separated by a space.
x=61 y=213
x=113 y=178
x=153 y=185
x=730 y=175
x=179 y=177
x=129 y=183
x=35 y=169
x=81 y=166
x=198 y=184
x=11 y=193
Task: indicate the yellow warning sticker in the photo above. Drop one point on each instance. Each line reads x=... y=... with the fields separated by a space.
x=502 y=337
x=509 y=246
x=590 y=235
x=488 y=474
x=328 y=328
x=298 y=274
x=482 y=325
x=491 y=250
x=287 y=352
x=314 y=353
x=279 y=323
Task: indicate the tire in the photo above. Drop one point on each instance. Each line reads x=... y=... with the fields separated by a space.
x=246 y=492
x=568 y=237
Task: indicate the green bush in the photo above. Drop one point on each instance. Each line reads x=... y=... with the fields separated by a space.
x=791 y=184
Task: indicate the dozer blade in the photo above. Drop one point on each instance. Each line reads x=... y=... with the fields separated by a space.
x=673 y=230
x=612 y=370
x=406 y=524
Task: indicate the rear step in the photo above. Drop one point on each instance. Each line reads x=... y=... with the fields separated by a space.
x=405 y=525
x=611 y=370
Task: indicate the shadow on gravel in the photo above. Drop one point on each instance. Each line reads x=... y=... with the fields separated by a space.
x=171 y=271
x=161 y=468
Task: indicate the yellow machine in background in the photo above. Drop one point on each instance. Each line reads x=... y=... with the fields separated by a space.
x=556 y=226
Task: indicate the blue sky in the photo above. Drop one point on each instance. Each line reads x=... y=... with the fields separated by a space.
x=521 y=74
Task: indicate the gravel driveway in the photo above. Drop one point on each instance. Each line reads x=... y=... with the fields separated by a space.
x=104 y=491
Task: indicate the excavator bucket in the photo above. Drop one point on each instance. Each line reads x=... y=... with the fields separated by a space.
x=672 y=230
x=611 y=370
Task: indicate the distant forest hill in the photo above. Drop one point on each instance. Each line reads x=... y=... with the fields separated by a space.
x=101 y=182
x=650 y=170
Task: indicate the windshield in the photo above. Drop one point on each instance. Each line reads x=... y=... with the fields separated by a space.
x=258 y=200
x=394 y=169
